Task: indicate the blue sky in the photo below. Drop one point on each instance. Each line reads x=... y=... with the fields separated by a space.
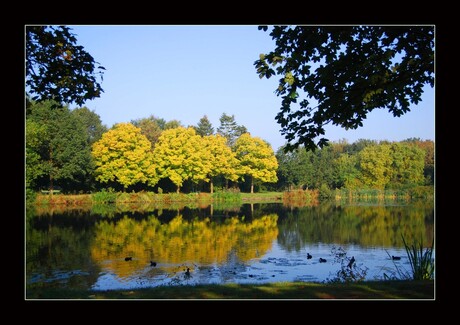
x=184 y=72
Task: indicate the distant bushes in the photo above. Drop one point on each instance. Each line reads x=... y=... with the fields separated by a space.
x=299 y=197
x=104 y=197
x=227 y=195
x=63 y=199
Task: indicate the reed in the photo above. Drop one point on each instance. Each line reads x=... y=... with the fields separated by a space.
x=379 y=195
x=300 y=198
x=227 y=195
x=421 y=260
x=63 y=199
x=104 y=196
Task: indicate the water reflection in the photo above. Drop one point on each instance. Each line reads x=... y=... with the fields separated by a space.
x=86 y=248
x=372 y=226
x=180 y=241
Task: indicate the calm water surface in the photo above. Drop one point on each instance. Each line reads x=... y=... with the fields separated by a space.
x=249 y=244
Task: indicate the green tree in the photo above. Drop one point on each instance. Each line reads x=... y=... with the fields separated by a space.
x=221 y=158
x=346 y=171
x=58 y=151
x=375 y=163
x=151 y=127
x=123 y=156
x=171 y=125
x=286 y=178
x=204 y=127
x=345 y=72
x=59 y=69
x=94 y=130
x=295 y=168
x=230 y=129
x=359 y=145
x=180 y=155
x=257 y=159
x=428 y=147
x=408 y=164
x=92 y=122
x=323 y=167
x=35 y=133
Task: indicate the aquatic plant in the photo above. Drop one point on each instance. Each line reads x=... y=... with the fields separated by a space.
x=421 y=262
x=350 y=270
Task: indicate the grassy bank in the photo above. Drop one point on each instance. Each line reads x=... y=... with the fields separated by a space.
x=380 y=290
x=155 y=198
x=293 y=198
x=266 y=197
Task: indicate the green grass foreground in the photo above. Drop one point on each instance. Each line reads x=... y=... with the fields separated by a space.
x=380 y=290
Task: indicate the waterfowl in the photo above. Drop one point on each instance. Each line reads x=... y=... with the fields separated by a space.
x=322 y=260
x=152 y=263
x=128 y=258
x=187 y=273
x=396 y=258
x=309 y=256
x=350 y=264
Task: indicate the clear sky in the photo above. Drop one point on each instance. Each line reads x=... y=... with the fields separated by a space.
x=184 y=72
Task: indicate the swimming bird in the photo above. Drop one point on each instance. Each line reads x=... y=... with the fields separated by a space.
x=350 y=264
x=395 y=258
x=128 y=258
x=152 y=263
x=322 y=260
x=309 y=256
x=187 y=273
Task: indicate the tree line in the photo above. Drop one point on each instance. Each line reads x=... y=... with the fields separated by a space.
x=72 y=149
x=362 y=164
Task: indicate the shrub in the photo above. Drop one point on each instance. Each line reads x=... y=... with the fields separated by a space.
x=104 y=196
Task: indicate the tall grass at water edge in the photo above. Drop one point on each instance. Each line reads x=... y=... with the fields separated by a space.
x=227 y=195
x=421 y=262
x=369 y=194
x=300 y=198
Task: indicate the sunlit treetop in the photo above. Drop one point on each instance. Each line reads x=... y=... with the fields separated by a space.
x=123 y=155
x=338 y=74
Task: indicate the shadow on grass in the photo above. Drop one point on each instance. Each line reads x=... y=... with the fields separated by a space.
x=382 y=290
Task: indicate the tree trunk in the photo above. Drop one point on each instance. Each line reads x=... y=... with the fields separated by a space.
x=211 y=184
x=252 y=185
x=178 y=189
x=51 y=185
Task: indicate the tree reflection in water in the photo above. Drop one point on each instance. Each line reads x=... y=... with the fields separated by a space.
x=263 y=242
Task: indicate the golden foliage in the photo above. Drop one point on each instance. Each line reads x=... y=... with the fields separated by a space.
x=123 y=155
x=197 y=241
x=257 y=158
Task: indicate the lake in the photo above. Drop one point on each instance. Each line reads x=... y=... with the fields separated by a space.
x=126 y=247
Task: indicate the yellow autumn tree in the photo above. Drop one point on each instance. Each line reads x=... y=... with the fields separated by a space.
x=123 y=155
x=256 y=158
x=221 y=158
x=180 y=155
x=375 y=163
